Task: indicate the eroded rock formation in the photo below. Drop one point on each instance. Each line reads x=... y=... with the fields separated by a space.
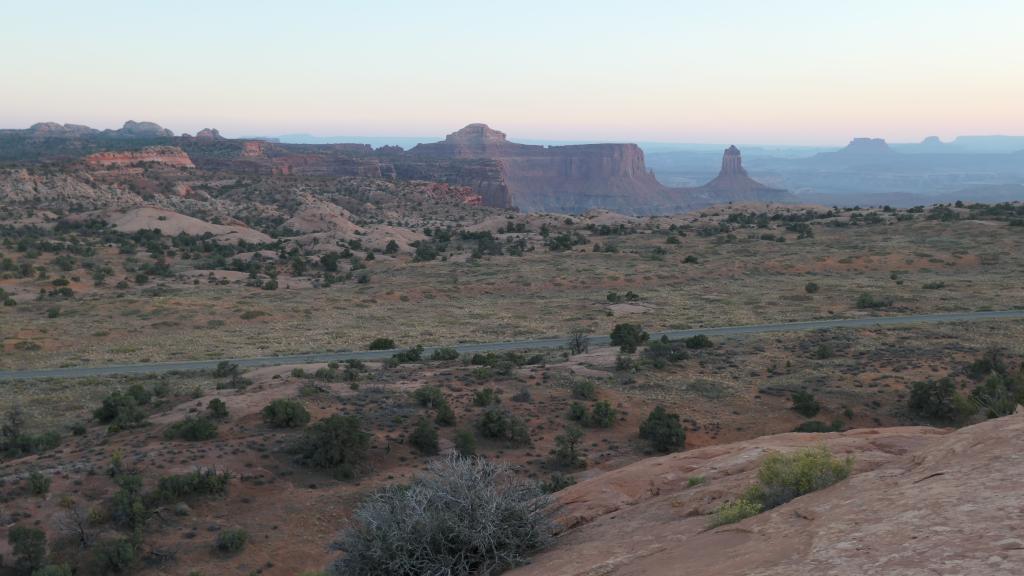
x=920 y=501
x=168 y=155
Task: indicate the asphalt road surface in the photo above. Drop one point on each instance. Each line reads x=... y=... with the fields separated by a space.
x=544 y=343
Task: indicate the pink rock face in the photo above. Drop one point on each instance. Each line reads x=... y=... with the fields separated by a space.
x=168 y=155
x=555 y=178
x=920 y=501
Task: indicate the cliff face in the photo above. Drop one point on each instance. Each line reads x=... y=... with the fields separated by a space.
x=555 y=178
x=168 y=155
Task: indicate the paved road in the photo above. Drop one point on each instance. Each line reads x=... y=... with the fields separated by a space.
x=157 y=367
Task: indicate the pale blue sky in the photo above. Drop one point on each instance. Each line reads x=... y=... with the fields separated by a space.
x=769 y=71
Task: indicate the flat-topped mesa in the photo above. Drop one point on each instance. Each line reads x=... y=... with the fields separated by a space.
x=867 y=146
x=534 y=178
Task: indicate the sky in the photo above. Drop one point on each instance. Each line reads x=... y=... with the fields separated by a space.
x=754 y=71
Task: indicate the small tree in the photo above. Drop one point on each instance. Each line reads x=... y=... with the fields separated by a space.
x=284 y=413
x=628 y=337
x=424 y=437
x=28 y=547
x=501 y=424
x=217 y=409
x=663 y=430
x=465 y=442
x=338 y=443
x=567 y=447
x=805 y=404
x=602 y=415
x=578 y=341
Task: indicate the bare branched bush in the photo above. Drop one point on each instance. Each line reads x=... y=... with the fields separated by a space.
x=466 y=516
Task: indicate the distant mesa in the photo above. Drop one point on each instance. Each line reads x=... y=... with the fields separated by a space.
x=209 y=134
x=55 y=130
x=867 y=147
x=132 y=129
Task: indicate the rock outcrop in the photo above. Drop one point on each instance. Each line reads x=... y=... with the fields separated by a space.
x=167 y=155
x=555 y=178
x=132 y=129
x=733 y=184
x=921 y=501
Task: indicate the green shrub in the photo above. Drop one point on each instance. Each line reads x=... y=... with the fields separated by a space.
x=699 y=341
x=445 y=415
x=577 y=412
x=584 y=390
x=192 y=428
x=114 y=556
x=602 y=415
x=429 y=396
x=663 y=430
x=414 y=354
x=486 y=397
x=38 y=484
x=523 y=395
x=424 y=437
x=628 y=337
x=660 y=353
x=500 y=424
x=28 y=548
x=444 y=354
x=811 y=288
x=695 y=481
x=201 y=482
x=232 y=540
x=998 y=396
x=737 y=510
x=824 y=352
x=120 y=411
x=558 y=481
x=805 y=404
x=225 y=369
x=867 y=300
x=465 y=442
x=140 y=394
x=783 y=477
x=217 y=409
x=284 y=413
x=382 y=344
x=939 y=401
x=337 y=443
x=466 y=516
x=567 y=448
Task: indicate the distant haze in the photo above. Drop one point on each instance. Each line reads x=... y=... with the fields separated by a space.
x=750 y=71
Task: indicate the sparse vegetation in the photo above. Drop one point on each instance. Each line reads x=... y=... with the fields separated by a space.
x=465 y=516
x=336 y=443
x=783 y=477
x=663 y=430
x=284 y=413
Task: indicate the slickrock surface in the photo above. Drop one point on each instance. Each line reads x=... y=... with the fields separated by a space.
x=921 y=502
